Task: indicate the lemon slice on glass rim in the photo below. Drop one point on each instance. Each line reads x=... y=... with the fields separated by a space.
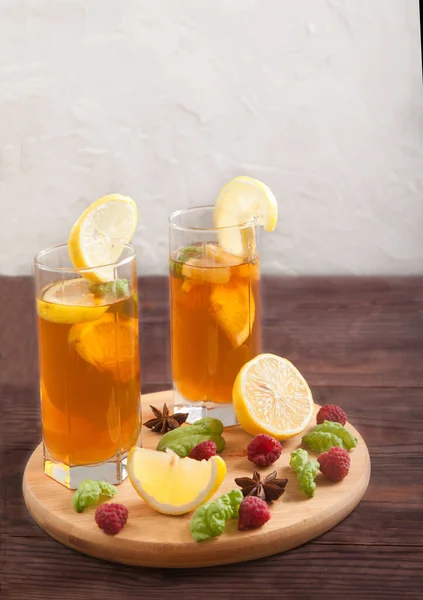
x=99 y=236
x=243 y=201
x=173 y=485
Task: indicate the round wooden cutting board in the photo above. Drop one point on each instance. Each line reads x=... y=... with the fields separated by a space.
x=155 y=540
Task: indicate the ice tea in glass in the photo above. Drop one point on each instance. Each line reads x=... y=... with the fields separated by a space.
x=215 y=317
x=89 y=369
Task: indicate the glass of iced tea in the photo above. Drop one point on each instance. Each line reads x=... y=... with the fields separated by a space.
x=89 y=366
x=214 y=310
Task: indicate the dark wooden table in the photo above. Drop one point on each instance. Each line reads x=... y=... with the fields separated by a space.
x=359 y=343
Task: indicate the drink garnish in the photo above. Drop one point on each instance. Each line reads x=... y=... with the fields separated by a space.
x=233 y=308
x=108 y=345
x=184 y=439
x=270 y=488
x=89 y=492
x=69 y=302
x=305 y=469
x=99 y=236
x=241 y=201
x=183 y=255
x=209 y=520
x=118 y=288
x=164 y=421
x=327 y=435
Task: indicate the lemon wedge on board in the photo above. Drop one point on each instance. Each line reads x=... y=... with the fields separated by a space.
x=173 y=485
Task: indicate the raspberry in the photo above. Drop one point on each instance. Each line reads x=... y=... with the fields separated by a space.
x=111 y=518
x=331 y=412
x=335 y=464
x=203 y=451
x=264 y=450
x=253 y=513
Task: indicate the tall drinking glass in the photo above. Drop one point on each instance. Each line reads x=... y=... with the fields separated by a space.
x=214 y=308
x=89 y=366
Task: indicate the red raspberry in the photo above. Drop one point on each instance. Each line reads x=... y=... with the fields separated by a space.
x=264 y=450
x=335 y=464
x=253 y=512
x=111 y=518
x=203 y=451
x=331 y=412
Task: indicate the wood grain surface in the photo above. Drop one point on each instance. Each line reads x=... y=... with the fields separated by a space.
x=359 y=343
x=154 y=540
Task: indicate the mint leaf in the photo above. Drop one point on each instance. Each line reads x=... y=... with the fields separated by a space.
x=332 y=427
x=182 y=257
x=322 y=441
x=107 y=489
x=209 y=520
x=183 y=439
x=89 y=492
x=306 y=471
x=119 y=288
x=327 y=435
x=235 y=497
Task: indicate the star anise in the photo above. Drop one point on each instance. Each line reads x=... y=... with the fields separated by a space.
x=269 y=489
x=164 y=421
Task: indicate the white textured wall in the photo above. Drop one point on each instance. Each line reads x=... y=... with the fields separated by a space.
x=167 y=100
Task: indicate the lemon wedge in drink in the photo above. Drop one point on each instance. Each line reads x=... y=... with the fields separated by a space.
x=240 y=201
x=233 y=308
x=99 y=235
x=271 y=396
x=69 y=302
x=238 y=268
x=174 y=485
x=205 y=271
x=108 y=344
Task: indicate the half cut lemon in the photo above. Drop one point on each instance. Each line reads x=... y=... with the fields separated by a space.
x=271 y=396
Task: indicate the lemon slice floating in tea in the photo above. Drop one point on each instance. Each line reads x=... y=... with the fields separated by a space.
x=271 y=396
x=108 y=344
x=69 y=302
x=233 y=308
x=100 y=234
x=174 y=485
x=239 y=202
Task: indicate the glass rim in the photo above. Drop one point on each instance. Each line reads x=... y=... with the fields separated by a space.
x=40 y=265
x=177 y=213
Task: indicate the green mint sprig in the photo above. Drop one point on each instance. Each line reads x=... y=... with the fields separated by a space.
x=209 y=520
x=327 y=435
x=89 y=492
x=183 y=439
x=306 y=470
x=119 y=288
x=182 y=257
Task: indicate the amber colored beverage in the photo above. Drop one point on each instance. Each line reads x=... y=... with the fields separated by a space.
x=89 y=372
x=215 y=320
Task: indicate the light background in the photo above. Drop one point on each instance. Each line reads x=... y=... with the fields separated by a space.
x=167 y=100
